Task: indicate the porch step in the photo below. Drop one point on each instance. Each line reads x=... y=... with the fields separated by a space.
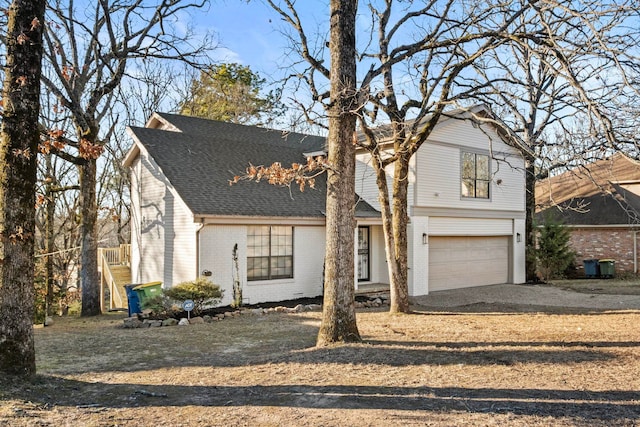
x=122 y=276
x=372 y=288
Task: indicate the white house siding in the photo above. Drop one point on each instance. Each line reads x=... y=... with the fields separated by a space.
x=135 y=222
x=448 y=226
x=418 y=254
x=378 y=261
x=167 y=233
x=468 y=241
x=366 y=185
x=216 y=246
x=183 y=247
x=438 y=170
x=518 y=273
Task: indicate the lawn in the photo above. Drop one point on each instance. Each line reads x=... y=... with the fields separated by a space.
x=494 y=367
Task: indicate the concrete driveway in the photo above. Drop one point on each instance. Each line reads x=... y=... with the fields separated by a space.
x=531 y=295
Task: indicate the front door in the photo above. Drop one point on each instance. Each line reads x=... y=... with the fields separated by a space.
x=363 y=254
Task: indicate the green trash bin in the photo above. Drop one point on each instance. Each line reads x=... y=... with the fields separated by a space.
x=607 y=268
x=147 y=291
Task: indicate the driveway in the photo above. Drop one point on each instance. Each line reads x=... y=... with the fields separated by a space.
x=528 y=295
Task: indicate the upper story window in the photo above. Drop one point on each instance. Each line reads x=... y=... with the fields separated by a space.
x=475 y=175
x=269 y=252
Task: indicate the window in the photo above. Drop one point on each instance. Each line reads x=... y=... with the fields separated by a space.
x=475 y=175
x=269 y=252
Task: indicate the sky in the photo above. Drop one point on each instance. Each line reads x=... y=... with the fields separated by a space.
x=250 y=32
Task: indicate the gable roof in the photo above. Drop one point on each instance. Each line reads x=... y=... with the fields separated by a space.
x=199 y=157
x=606 y=192
x=479 y=115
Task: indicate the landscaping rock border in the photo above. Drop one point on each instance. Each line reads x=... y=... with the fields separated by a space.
x=140 y=322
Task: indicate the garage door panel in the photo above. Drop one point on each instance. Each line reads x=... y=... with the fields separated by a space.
x=459 y=262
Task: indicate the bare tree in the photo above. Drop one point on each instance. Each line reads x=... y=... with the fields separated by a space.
x=408 y=85
x=417 y=62
x=338 y=317
x=89 y=51
x=157 y=86
x=338 y=313
x=56 y=225
x=19 y=139
x=559 y=88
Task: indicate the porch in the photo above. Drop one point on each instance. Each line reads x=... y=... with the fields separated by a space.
x=372 y=288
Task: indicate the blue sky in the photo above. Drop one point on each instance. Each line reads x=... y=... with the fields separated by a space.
x=245 y=32
x=250 y=33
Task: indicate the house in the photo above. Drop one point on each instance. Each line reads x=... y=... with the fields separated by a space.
x=600 y=202
x=466 y=206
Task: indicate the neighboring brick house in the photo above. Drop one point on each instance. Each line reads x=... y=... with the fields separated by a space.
x=601 y=204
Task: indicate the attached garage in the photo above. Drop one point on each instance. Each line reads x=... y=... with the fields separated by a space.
x=466 y=261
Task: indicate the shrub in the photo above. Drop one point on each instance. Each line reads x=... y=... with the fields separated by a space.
x=161 y=306
x=553 y=251
x=202 y=291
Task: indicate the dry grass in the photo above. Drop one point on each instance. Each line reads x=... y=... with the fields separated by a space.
x=489 y=367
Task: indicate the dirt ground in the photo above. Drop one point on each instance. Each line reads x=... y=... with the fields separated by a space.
x=463 y=358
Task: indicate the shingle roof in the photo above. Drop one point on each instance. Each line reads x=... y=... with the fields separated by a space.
x=597 y=194
x=200 y=160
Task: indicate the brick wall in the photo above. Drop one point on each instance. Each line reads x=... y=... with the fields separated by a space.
x=604 y=243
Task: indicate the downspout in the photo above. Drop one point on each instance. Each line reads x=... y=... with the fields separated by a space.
x=199 y=227
x=635 y=251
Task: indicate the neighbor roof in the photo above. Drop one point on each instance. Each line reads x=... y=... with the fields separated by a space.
x=602 y=193
x=199 y=157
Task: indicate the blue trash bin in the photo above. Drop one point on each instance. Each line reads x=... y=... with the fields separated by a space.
x=591 y=268
x=132 y=299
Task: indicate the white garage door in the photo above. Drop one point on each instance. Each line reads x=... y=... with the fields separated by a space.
x=461 y=262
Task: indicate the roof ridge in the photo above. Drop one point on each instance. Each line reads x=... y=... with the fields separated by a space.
x=166 y=116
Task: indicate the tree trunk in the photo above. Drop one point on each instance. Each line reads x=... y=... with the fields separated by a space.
x=19 y=140
x=399 y=288
x=394 y=227
x=49 y=245
x=530 y=202
x=338 y=315
x=89 y=278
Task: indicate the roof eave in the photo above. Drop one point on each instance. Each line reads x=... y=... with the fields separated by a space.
x=133 y=152
x=271 y=220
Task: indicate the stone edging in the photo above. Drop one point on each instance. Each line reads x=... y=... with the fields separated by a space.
x=136 y=322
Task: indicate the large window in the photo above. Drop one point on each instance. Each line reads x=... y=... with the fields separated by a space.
x=269 y=252
x=475 y=175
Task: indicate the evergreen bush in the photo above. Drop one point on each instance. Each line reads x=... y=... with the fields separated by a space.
x=553 y=250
